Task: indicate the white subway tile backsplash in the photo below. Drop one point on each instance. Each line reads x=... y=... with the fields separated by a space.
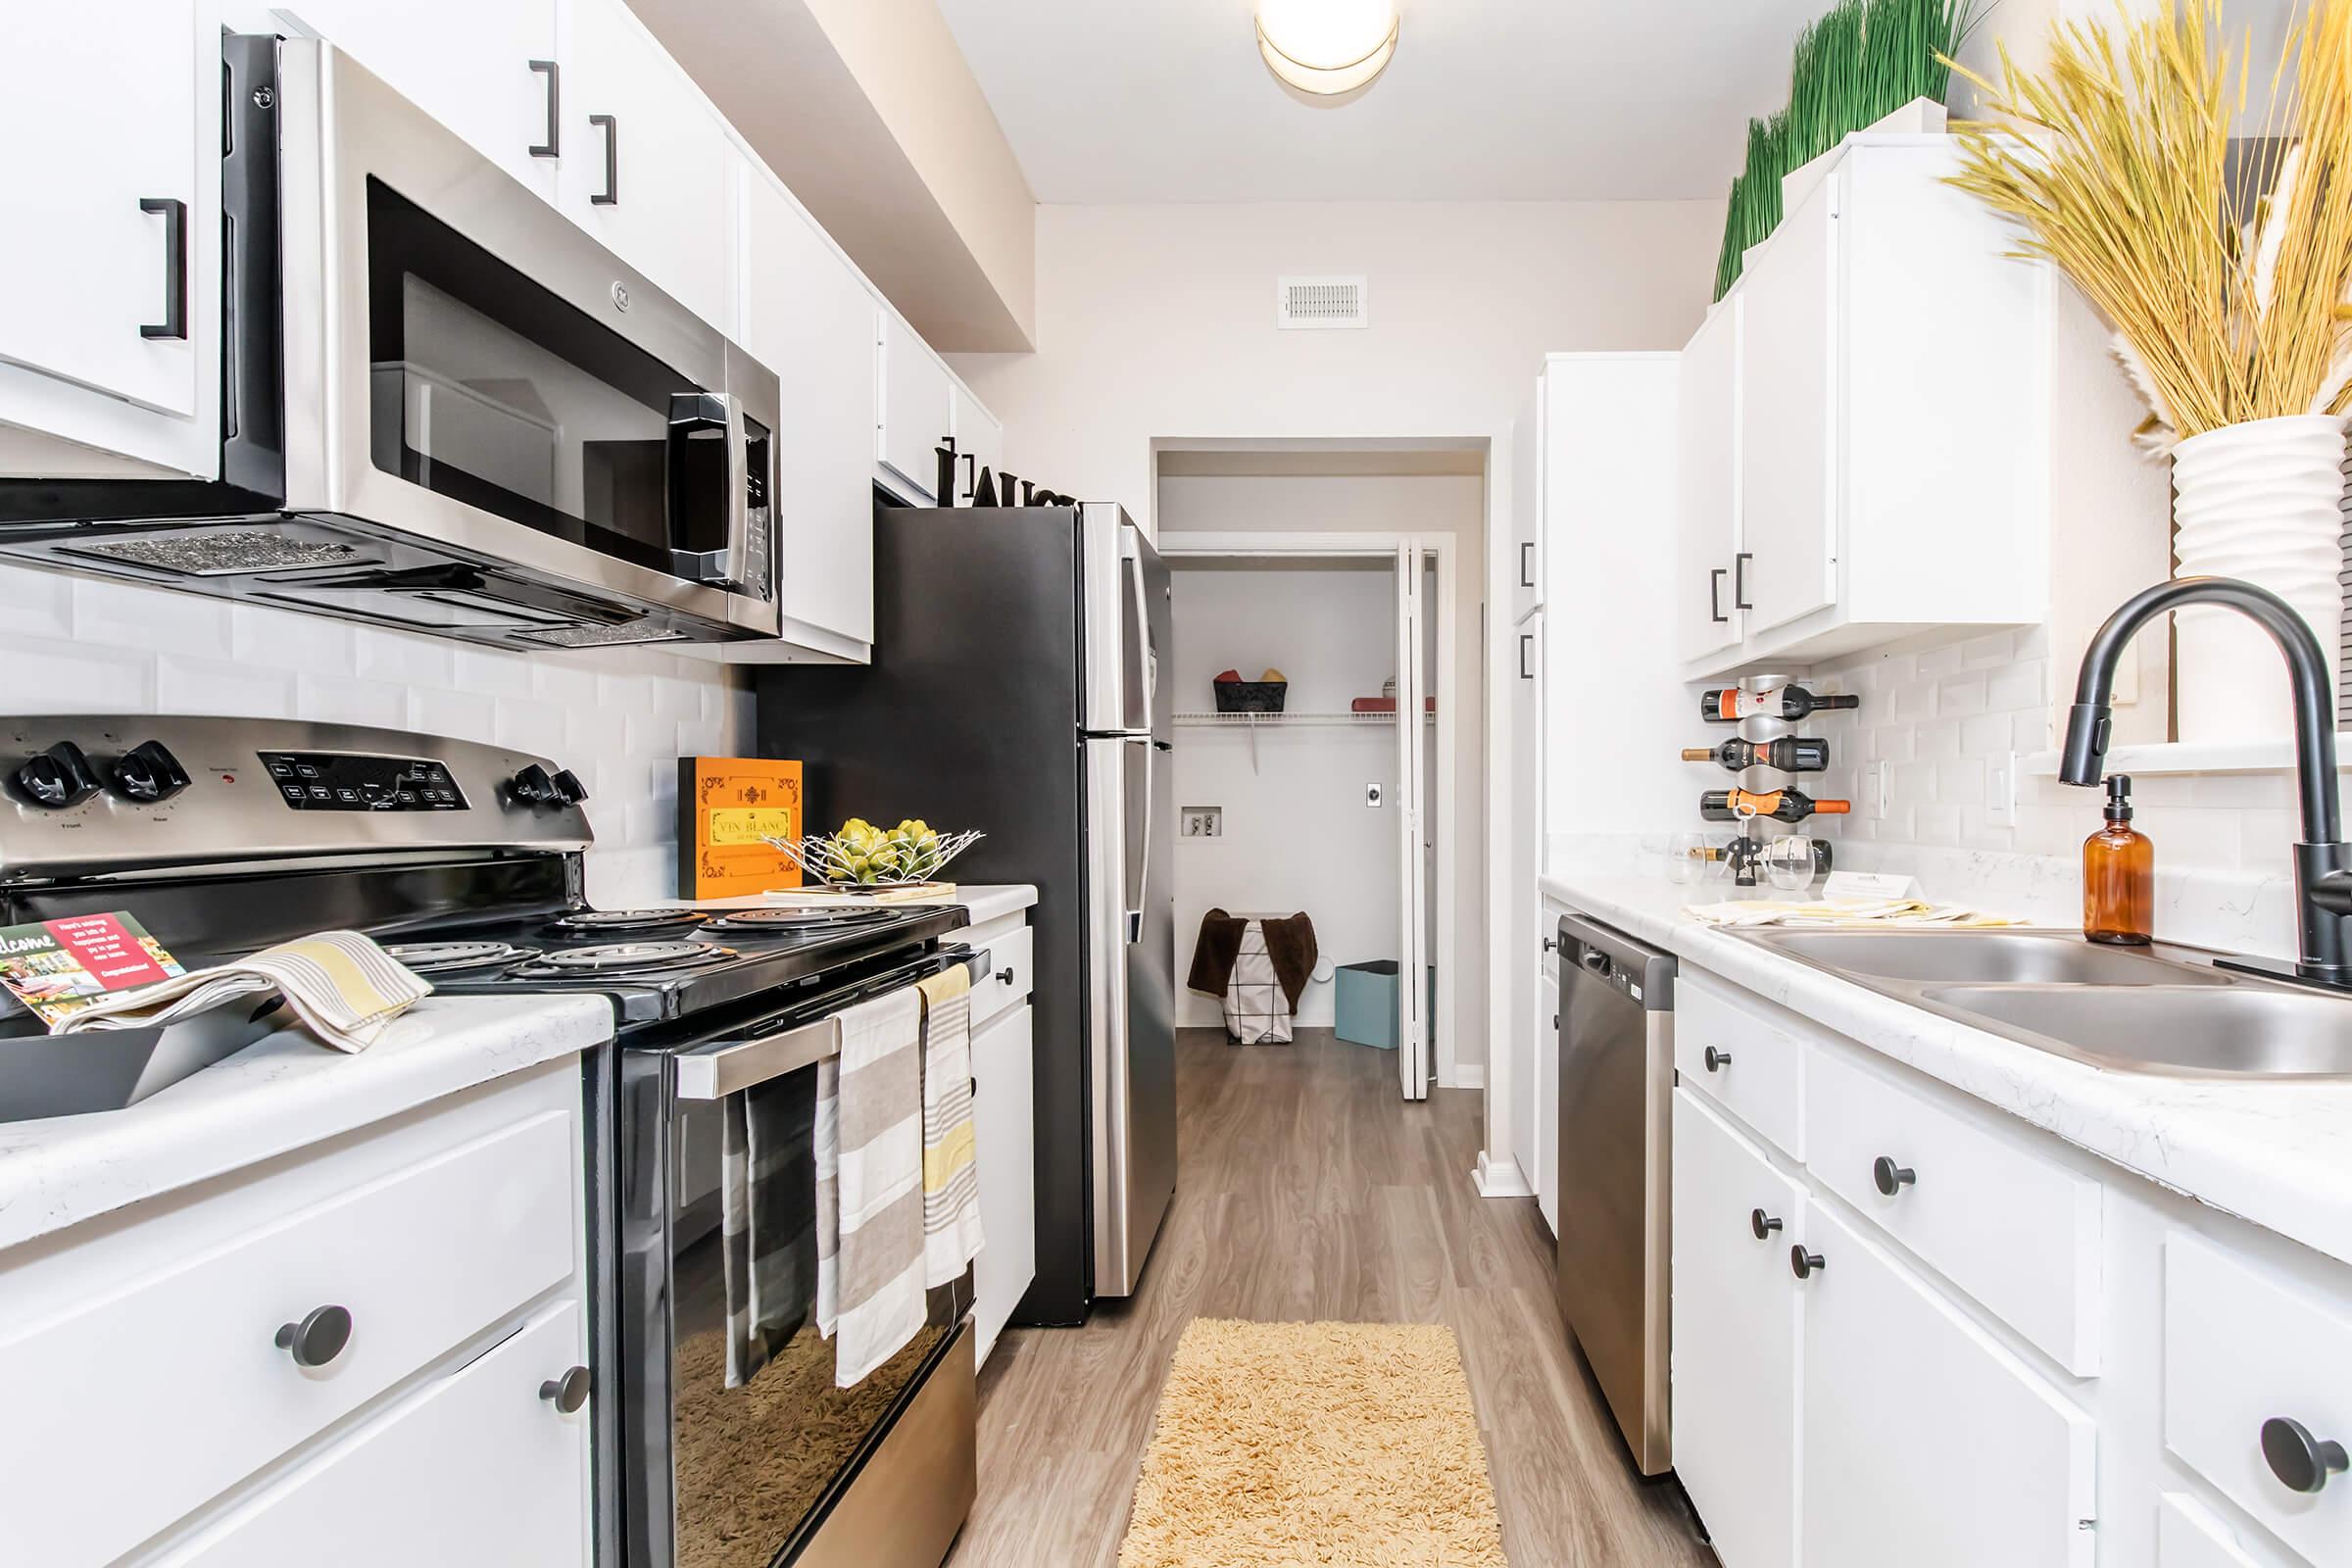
x=492 y=672
x=342 y=700
x=37 y=603
x=468 y=715
x=309 y=644
x=405 y=657
x=218 y=686
x=122 y=615
x=58 y=676
x=1980 y=651
x=1960 y=695
x=2016 y=686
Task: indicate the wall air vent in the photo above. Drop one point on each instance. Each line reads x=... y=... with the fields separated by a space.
x=1314 y=304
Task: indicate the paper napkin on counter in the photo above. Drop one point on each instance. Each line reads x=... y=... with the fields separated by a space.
x=340 y=984
x=1841 y=912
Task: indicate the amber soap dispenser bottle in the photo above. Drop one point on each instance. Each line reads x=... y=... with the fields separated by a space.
x=2119 y=874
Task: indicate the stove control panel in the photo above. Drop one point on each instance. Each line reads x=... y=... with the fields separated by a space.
x=336 y=781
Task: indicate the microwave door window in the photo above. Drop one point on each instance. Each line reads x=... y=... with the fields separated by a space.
x=486 y=388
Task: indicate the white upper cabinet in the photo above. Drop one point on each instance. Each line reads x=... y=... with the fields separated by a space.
x=915 y=414
x=490 y=73
x=647 y=168
x=1708 y=488
x=1530 y=437
x=1887 y=449
x=806 y=315
x=111 y=187
x=979 y=445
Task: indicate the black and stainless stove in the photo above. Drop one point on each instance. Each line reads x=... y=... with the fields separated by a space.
x=224 y=836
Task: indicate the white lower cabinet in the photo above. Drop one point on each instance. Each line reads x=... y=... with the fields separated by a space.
x=1739 y=1319
x=478 y=1467
x=1923 y=1441
x=1546 y=1174
x=1003 y=1114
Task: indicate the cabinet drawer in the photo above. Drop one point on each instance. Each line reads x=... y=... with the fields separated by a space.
x=2015 y=1230
x=474 y=1468
x=2189 y=1536
x=1926 y=1443
x=1738 y=1320
x=1007 y=979
x=1758 y=1072
x=2243 y=1349
x=174 y=1375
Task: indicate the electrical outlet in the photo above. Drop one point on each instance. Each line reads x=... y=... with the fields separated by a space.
x=1874 y=778
x=2000 y=791
x=1202 y=822
x=1372 y=795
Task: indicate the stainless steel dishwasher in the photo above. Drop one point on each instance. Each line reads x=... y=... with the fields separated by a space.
x=1616 y=1044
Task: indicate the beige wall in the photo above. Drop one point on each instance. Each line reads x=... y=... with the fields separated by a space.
x=1428 y=504
x=1157 y=323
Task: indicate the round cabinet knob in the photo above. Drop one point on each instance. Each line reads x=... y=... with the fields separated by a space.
x=1005 y=976
x=1762 y=1224
x=1890 y=1177
x=1551 y=944
x=1803 y=1264
x=2301 y=1461
x=1717 y=1061
x=318 y=1338
x=569 y=1392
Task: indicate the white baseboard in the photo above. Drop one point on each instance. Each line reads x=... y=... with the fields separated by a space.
x=1500 y=1178
x=1467 y=1075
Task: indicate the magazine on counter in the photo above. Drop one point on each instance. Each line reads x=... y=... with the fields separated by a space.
x=59 y=967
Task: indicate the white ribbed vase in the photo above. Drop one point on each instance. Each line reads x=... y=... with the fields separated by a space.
x=2264 y=501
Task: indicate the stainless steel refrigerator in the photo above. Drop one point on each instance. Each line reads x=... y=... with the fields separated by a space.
x=1015 y=688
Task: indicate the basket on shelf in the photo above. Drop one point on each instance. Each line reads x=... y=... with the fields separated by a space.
x=1237 y=696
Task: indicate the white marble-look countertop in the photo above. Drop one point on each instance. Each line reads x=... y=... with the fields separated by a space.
x=985 y=900
x=2274 y=1152
x=283 y=1091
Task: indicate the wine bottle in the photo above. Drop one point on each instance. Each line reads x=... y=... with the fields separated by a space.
x=1727 y=705
x=1791 y=754
x=1783 y=806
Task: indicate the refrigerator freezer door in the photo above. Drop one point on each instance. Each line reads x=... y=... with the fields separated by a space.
x=1131 y=1009
x=1118 y=571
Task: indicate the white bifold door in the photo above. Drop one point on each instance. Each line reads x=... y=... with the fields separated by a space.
x=1413 y=615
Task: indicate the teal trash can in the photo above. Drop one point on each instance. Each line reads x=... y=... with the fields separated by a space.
x=1364 y=1002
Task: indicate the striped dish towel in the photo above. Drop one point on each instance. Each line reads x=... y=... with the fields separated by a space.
x=951 y=1169
x=342 y=986
x=869 y=1185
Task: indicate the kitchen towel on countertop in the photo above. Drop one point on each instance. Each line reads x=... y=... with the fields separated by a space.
x=1840 y=911
x=950 y=1161
x=869 y=1185
x=768 y=1258
x=342 y=986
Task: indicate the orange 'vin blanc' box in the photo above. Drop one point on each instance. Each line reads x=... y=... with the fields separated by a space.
x=728 y=806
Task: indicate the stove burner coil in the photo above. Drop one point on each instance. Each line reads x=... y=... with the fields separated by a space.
x=800 y=919
x=457 y=958
x=628 y=959
x=630 y=921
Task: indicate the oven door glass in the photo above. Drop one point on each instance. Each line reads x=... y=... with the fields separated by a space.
x=756 y=1465
x=489 y=389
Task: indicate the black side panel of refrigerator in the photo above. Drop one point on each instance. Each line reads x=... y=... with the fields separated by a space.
x=968 y=718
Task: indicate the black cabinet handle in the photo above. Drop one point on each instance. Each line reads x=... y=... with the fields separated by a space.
x=552 y=147
x=1526 y=644
x=1890 y=1177
x=1762 y=1224
x=1527 y=566
x=611 y=192
x=174 y=324
x=1739 y=579
x=1004 y=975
x=318 y=1338
x=1551 y=944
x=1717 y=1061
x=2301 y=1461
x=1803 y=1264
x=1715 y=598
x=569 y=1392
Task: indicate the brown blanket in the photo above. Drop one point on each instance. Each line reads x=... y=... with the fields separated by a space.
x=1290 y=943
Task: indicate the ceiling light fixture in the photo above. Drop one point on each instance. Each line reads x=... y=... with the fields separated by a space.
x=1328 y=47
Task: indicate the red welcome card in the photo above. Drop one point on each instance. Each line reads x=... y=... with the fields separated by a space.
x=59 y=967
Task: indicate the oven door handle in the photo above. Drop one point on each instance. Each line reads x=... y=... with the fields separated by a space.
x=697 y=416
x=724 y=1067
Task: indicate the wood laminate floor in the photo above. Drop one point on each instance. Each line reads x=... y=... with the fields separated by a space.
x=1307 y=1189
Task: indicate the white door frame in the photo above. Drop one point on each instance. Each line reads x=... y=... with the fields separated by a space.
x=1304 y=545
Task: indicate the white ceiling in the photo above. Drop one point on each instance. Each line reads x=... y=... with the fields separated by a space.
x=1511 y=100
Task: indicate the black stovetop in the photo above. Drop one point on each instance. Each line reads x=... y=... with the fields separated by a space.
x=660 y=964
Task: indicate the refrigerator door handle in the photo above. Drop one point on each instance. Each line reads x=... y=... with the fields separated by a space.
x=1139 y=837
x=1136 y=647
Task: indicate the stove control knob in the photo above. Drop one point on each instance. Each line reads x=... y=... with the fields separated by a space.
x=532 y=786
x=59 y=777
x=147 y=773
x=569 y=788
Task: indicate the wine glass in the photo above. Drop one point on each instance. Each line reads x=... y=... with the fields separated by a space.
x=1687 y=858
x=1792 y=862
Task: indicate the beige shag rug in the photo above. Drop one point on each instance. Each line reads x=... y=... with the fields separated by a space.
x=1335 y=1445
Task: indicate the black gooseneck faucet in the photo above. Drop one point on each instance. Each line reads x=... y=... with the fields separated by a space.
x=2322 y=860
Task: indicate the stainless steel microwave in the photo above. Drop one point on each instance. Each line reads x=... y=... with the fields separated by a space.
x=443 y=407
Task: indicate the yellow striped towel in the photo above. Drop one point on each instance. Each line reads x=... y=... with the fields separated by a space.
x=951 y=1172
x=340 y=984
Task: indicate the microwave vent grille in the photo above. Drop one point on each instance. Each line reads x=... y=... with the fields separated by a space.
x=631 y=631
x=1321 y=304
x=213 y=553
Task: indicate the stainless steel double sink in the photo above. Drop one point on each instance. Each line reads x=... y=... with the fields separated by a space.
x=2156 y=1009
